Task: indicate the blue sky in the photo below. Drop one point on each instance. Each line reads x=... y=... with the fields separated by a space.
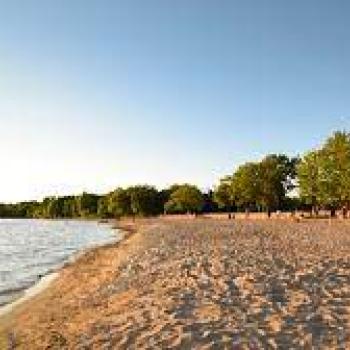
x=96 y=94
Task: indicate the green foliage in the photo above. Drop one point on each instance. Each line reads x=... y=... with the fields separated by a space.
x=185 y=199
x=324 y=174
x=86 y=204
x=119 y=203
x=70 y=207
x=224 y=195
x=308 y=173
x=144 y=200
x=263 y=184
x=335 y=170
x=245 y=185
x=276 y=174
x=102 y=208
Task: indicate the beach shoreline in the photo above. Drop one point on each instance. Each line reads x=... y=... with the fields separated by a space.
x=29 y=293
x=24 y=300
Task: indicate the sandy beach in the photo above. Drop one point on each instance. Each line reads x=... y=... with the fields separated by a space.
x=197 y=284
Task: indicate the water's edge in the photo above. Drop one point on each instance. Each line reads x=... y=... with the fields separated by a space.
x=46 y=280
x=29 y=293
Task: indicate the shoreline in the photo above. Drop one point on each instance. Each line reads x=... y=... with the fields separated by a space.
x=30 y=293
x=24 y=299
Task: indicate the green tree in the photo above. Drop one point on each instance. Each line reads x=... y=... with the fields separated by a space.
x=87 y=204
x=49 y=208
x=224 y=195
x=308 y=174
x=119 y=203
x=335 y=172
x=185 y=199
x=70 y=207
x=144 y=200
x=264 y=184
x=102 y=208
x=276 y=174
x=245 y=185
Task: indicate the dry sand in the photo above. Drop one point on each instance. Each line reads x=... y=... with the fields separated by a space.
x=198 y=284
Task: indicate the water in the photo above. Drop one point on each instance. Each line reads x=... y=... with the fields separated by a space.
x=32 y=248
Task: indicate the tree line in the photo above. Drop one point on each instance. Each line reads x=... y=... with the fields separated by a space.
x=318 y=180
x=141 y=200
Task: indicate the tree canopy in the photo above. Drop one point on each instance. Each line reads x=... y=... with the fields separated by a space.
x=324 y=174
x=185 y=198
x=223 y=194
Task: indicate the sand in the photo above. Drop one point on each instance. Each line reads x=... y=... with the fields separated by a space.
x=199 y=284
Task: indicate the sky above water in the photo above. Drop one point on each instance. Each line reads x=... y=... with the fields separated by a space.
x=97 y=94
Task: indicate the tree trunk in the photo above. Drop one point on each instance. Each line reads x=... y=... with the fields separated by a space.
x=269 y=213
x=332 y=213
x=345 y=211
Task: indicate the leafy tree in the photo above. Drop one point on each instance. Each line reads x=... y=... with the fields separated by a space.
x=87 y=204
x=324 y=175
x=245 y=185
x=224 y=195
x=50 y=208
x=335 y=172
x=185 y=199
x=102 y=208
x=166 y=193
x=69 y=207
x=119 y=203
x=276 y=175
x=263 y=184
x=308 y=173
x=144 y=200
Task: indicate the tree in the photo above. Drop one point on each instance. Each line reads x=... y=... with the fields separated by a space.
x=324 y=175
x=70 y=207
x=119 y=203
x=185 y=199
x=276 y=176
x=87 y=204
x=144 y=200
x=335 y=172
x=308 y=174
x=50 y=208
x=245 y=185
x=224 y=195
x=102 y=208
x=263 y=184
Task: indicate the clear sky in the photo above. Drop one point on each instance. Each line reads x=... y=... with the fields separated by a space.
x=96 y=94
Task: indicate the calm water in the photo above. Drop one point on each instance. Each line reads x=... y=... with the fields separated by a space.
x=30 y=248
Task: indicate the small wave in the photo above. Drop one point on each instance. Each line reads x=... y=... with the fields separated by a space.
x=12 y=290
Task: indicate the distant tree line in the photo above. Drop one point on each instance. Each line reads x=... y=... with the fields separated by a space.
x=142 y=200
x=318 y=180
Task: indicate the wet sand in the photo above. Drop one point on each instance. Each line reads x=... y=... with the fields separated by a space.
x=198 y=284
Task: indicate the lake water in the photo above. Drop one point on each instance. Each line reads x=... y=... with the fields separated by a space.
x=33 y=248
